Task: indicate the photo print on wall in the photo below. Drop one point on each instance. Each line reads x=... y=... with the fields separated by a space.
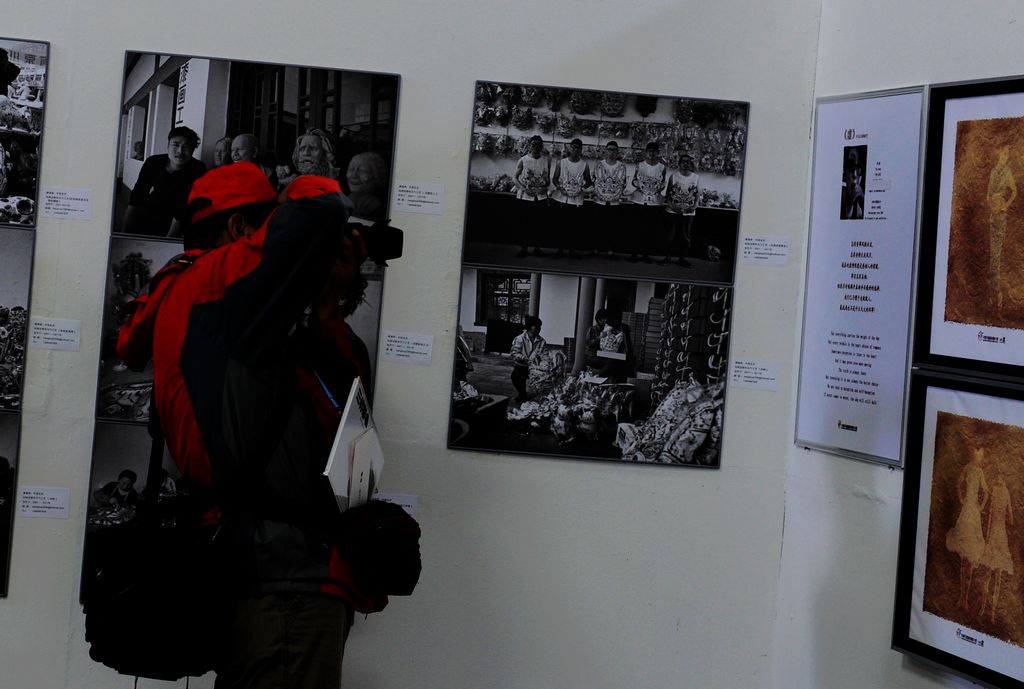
x=610 y=369
x=598 y=259
x=9 y=429
x=605 y=183
x=181 y=116
x=23 y=66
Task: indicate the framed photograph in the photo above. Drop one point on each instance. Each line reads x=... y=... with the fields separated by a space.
x=855 y=343
x=182 y=115
x=23 y=66
x=9 y=429
x=960 y=576
x=16 y=255
x=612 y=369
x=971 y=285
x=576 y=181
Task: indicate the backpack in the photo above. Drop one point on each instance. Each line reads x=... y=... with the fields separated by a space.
x=154 y=592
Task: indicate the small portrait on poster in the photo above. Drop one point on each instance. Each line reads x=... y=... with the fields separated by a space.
x=181 y=116
x=15 y=278
x=854 y=173
x=23 y=66
x=9 y=424
x=966 y=589
x=590 y=368
x=604 y=183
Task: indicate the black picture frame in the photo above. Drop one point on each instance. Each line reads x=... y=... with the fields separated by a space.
x=961 y=322
x=960 y=429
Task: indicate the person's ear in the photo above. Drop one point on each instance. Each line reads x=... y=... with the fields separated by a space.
x=237 y=227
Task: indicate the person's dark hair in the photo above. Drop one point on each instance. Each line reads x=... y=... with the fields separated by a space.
x=186 y=134
x=612 y=144
x=536 y=139
x=576 y=141
x=204 y=234
x=532 y=321
x=601 y=313
x=651 y=146
x=128 y=473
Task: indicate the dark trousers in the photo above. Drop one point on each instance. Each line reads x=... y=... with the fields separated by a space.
x=520 y=374
x=286 y=641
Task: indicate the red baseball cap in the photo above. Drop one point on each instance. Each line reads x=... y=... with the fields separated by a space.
x=230 y=186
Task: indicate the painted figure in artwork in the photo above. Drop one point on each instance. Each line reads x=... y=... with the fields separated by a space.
x=997 y=557
x=1002 y=191
x=966 y=538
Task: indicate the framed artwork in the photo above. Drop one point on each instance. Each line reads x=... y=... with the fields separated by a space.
x=616 y=369
x=960 y=576
x=605 y=183
x=23 y=67
x=970 y=310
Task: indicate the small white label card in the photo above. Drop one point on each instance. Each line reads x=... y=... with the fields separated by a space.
x=409 y=503
x=66 y=204
x=419 y=197
x=44 y=502
x=408 y=348
x=766 y=251
x=55 y=333
x=756 y=375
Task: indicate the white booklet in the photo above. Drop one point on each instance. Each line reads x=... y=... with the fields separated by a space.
x=356 y=459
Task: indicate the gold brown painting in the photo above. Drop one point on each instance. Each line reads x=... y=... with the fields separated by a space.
x=975 y=540
x=985 y=271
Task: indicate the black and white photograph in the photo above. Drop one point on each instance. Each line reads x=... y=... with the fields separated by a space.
x=9 y=425
x=855 y=161
x=16 y=248
x=605 y=183
x=118 y=480
x=23 y=66
x=584 y=367
x=124 y=395
x=182 y=115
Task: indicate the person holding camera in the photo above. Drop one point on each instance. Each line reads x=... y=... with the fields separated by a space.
x=251 y=356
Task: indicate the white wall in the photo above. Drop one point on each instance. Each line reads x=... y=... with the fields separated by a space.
x=839 y=549
x=538 y=572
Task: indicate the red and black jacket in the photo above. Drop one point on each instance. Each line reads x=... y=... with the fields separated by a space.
x=239 y=371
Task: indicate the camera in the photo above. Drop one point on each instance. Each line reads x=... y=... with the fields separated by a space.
x=383 y=242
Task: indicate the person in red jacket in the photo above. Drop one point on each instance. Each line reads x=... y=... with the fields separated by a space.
x=251 y=353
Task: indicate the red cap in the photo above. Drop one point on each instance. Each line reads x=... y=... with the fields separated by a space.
x=231 y=186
